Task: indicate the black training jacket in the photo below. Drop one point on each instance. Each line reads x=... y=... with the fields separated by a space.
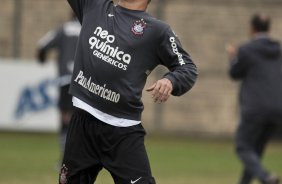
x=258 y=66
x=117 y=50
x=64 y=40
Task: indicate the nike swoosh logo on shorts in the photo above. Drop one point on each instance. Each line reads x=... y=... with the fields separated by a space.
x=110 y=15
x=132 y=182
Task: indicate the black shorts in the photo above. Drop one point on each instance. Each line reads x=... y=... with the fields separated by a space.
x=92 y=145
x=65 y=99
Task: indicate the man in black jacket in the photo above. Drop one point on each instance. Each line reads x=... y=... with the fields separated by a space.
x=257 y=64
x=118 y=47
x=63 y=40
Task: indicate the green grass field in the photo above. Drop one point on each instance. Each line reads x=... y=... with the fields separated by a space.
x=33 y=159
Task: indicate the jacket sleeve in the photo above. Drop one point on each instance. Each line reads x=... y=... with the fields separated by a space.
x=182 y=71
x=80 y=7
x=239 y=65
x=49 y=41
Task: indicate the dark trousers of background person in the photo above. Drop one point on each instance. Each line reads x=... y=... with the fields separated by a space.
x=66 y=110
x=252 y=136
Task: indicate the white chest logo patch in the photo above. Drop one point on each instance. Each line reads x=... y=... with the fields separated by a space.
x=138 y=27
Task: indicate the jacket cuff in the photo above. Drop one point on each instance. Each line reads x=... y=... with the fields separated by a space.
x=170 y=77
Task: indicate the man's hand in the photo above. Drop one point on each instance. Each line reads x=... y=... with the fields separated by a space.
x=231 y=50
x=161 y=90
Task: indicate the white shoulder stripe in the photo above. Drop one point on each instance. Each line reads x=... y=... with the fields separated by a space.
x=46 y=39
x=72 y=29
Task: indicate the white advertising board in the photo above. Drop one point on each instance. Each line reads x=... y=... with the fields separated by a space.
x=28 y=96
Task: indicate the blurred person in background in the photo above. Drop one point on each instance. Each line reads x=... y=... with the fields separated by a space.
x=257 y=64
x=118 y=47
x=63 y=40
